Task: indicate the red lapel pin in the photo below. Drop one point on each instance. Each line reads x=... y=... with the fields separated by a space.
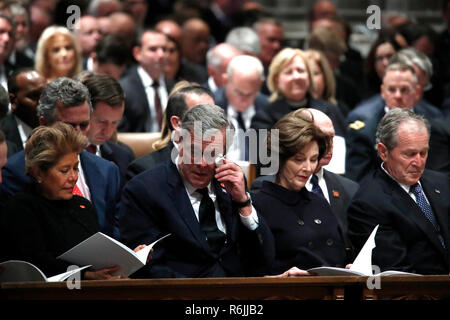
x=82 y=206
x=335 y=194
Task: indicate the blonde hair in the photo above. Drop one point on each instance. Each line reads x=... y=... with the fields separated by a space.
x=330 y=83
x=42 y=61
x=279 y=62
x=47 y=145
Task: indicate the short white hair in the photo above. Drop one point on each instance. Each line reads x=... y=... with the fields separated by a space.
x=245 y=63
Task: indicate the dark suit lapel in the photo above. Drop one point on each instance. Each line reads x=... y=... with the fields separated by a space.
x=335 y=194
x=435 y=198
x=406 y=205
x=177 y=191
x=106 y=151
x=11 y=131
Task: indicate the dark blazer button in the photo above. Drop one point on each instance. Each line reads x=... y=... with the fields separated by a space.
x=301 y=222
x=330 y=242
x=311 y=245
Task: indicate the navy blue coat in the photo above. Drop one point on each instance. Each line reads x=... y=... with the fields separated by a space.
x=102 y=177
x=119 y=154
x=306 y=232
x=155 y=203
x=361 y=152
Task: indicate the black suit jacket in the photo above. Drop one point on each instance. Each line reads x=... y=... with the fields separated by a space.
x=137 y=110
x=9 y=127
x=149 y=160
x=155 y=203
x=405 y=240
x=121 y=155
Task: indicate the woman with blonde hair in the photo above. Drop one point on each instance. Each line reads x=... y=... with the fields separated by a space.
x=58 y=54
x=324 y=81
x=291 y=83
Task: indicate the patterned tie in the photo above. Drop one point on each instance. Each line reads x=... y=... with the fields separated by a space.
x=315 y=186
x=207 y=218
x=77 y=191
x=158 y=107
x=416 y=189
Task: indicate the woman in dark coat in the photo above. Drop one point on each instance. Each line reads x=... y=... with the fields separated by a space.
x=48 y=218
x=306 y=232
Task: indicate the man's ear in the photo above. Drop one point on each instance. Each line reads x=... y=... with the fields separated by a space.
x=382 y=151
x=137 y=53
x=175 y=122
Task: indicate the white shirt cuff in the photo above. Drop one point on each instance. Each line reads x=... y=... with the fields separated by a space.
x=251 y=221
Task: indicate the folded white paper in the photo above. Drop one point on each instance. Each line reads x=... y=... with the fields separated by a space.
x=101 y=251
x=22 y=271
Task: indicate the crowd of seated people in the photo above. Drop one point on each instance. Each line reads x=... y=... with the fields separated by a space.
x=271 y=159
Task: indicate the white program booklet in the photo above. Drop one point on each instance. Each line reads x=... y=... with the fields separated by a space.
x=362 y=266
x=22 y=271
x=101 y=251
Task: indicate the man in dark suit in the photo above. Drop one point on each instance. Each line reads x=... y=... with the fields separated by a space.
x=25 y=87
x=241 y=99
x=409 y=203
x=337 y=190
x=179 y=102
x=146 y=89
x=215 y=231
x=68 y=101
x=108 y=103
x=400 y=89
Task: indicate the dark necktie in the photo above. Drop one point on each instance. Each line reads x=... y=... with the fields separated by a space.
x=207 y=219
x=241 y=125
x=158 y=107
x=315 y=186
x=416 y=189
x=91 y=148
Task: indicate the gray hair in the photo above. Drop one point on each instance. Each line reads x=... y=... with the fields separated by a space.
x=245 y=63
x=211 y=117
x=401 y=66
x=387 y=130
x=412 y=57
x=244 y=39
x=66 y=91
